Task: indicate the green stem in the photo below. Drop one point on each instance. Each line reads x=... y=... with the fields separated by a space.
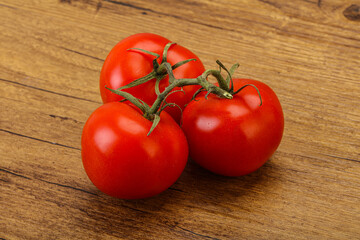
x=216 y=73
x=153 y=113
x=201 y=80
x=138 y=103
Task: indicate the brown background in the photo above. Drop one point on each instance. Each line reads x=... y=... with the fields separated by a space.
x=308 y=51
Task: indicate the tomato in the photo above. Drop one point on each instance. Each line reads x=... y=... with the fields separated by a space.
x=234 y=137
x=122 y=161
x=123 y=66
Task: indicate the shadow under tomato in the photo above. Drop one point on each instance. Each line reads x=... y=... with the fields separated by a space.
x=196 y=190
x=200 y=181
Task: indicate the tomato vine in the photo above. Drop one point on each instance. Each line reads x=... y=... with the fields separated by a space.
x=152 y=113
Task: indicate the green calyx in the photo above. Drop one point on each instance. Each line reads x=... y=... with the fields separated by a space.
x=228 y=84
x=159 y=72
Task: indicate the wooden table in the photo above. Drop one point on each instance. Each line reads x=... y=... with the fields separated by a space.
x=308 y=51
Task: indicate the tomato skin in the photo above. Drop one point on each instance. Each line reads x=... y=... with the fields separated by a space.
x=122 y=67
x=122 y=161
x=234 y=137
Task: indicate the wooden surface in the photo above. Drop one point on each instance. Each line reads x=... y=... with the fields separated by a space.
x=308 y=51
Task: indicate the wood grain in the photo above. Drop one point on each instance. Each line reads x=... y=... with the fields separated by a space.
x=308 y=51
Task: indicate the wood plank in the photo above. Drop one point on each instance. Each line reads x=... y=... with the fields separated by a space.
x=308 y=51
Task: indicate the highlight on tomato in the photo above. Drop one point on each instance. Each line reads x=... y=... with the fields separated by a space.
x=139 y=57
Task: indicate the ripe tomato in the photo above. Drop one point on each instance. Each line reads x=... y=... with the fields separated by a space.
x=122 y=161
x=123 y=66
x=234 y=137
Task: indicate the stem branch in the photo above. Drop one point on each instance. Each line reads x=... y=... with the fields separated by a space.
x=201 y=80
x=219 y=78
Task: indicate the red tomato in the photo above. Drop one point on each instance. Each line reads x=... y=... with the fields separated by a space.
x=122 y=67
x=122 y=161
x=234 y=137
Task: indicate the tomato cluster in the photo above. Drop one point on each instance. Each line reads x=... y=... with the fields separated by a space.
x=136 y=148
